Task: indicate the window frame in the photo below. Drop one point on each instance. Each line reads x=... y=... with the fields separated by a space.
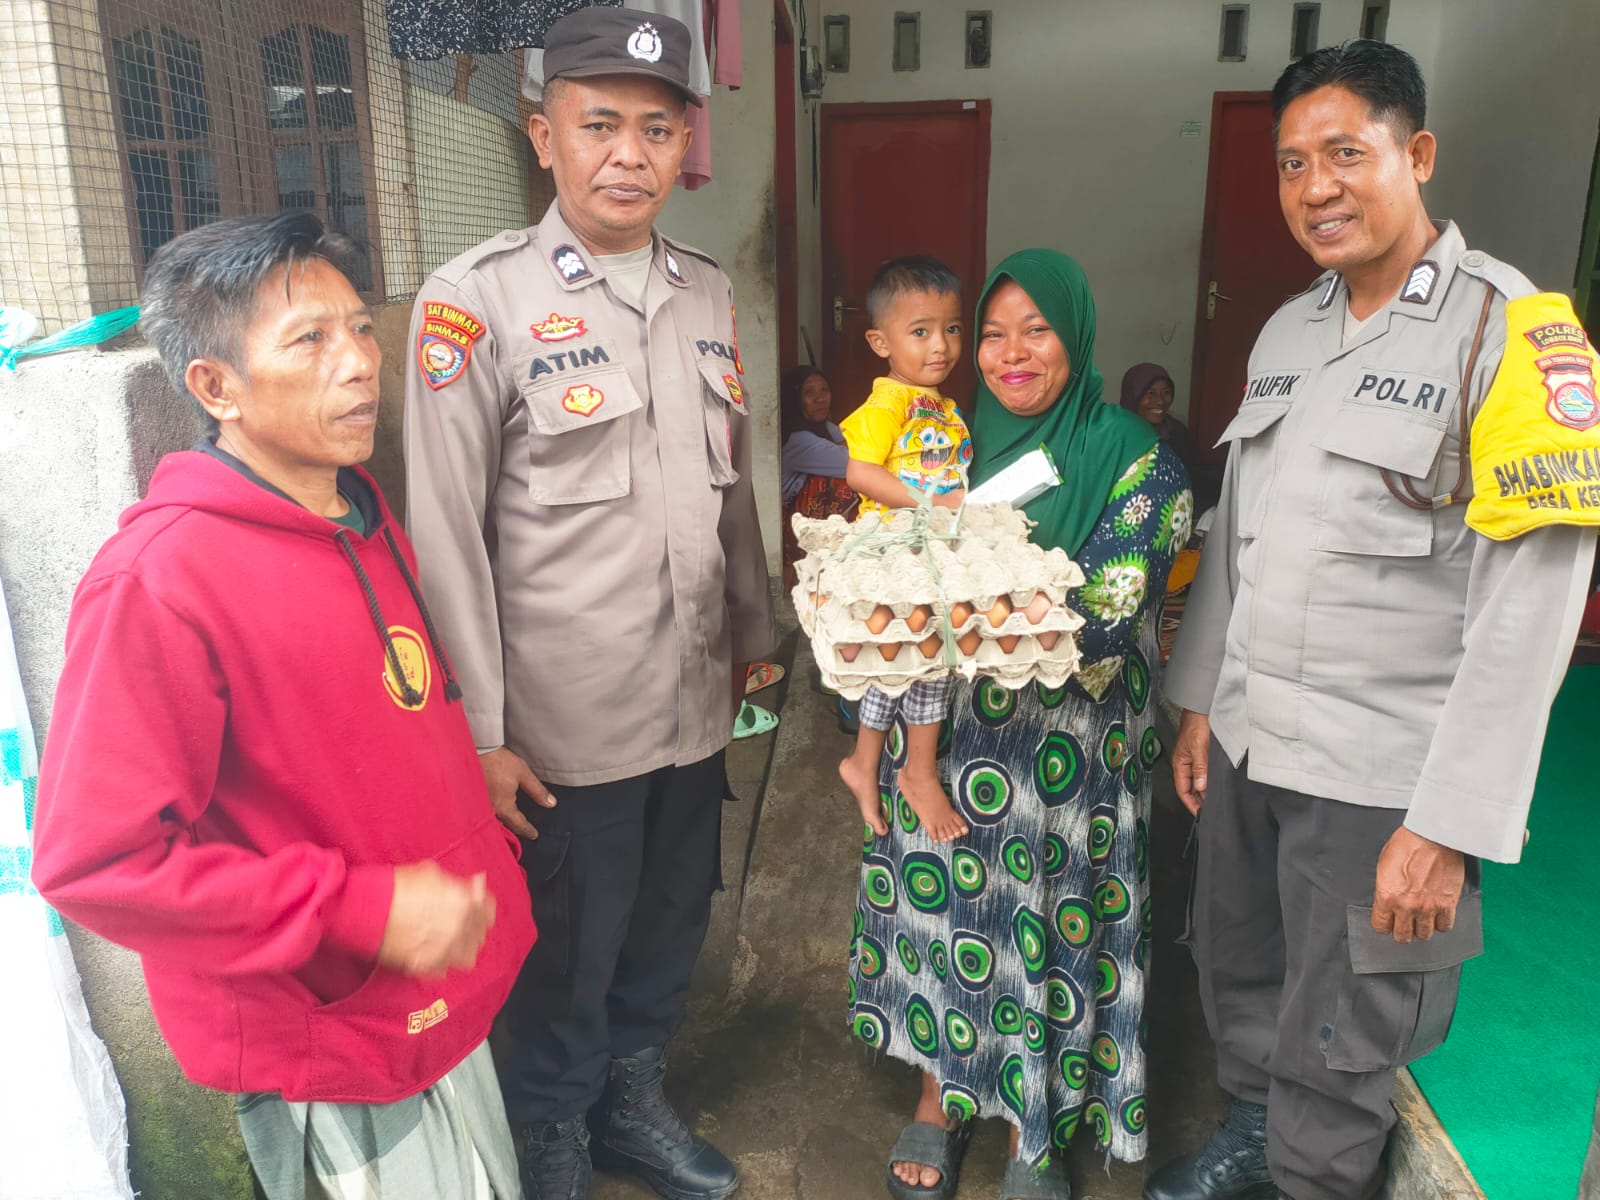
x=1381 y=31
x=1314 y=12
x=188 y=19
x=342 y=20
x=1244 y=33
x=229 y=33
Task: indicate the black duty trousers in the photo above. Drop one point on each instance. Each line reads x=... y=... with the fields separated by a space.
x=1312 y=1011
x=621 y=878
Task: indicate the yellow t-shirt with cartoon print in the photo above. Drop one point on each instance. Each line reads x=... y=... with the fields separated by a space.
x=916 y=434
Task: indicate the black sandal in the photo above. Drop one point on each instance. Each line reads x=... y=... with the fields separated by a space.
x=934 y=1147
x=1024 y=1183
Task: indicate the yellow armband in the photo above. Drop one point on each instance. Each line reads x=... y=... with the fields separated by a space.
x=1536 y=439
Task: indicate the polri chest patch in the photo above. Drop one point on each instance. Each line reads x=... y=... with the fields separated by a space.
x=1404 y=389
x=444 y=343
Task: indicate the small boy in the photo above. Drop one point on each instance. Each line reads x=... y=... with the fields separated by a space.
x=907 y=439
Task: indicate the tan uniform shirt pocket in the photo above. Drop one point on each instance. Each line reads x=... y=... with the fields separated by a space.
x=724 y=404
x=1256 y=429
x=578 y=445
x=1357 y=513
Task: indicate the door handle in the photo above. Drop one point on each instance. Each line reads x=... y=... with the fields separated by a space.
x=1212 y=296
x=839 y=310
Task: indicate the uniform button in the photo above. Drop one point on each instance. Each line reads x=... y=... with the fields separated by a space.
x=512 y=236
x=1473 y=260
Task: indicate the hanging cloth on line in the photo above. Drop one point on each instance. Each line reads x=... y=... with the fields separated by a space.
x=717 y=57
x=430 y=29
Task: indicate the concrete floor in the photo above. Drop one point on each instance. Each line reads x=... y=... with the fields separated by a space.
x=766 y=1067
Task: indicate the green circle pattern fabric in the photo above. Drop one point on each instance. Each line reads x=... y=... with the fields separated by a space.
x=1036 y=924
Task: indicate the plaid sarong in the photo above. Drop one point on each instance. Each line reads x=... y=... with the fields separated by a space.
x=448 y=1142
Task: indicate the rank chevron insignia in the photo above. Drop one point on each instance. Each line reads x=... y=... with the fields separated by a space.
x=1420 y=283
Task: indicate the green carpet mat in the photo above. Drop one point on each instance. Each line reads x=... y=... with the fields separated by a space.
x=1514 y=1085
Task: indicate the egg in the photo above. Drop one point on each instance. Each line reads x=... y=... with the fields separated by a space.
x=1038 y=608
x=968 y=643
x=1047 y=641
x=1008 y=643
x=849 y=650
x=879 y=619
x=929 y=645
x=998 y=614
x=889 y=650
x=959 y=614
x=918 y=619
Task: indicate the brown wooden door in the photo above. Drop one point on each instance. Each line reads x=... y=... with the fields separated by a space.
x=898 y=179
x=1249 y=262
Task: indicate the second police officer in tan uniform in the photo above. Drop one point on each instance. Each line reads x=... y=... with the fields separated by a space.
x=1366 y=677
x=578 y=467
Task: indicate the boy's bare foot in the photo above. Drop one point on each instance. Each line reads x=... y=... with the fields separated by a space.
x=930 y=1111
x=860 y=775
x=920 y=786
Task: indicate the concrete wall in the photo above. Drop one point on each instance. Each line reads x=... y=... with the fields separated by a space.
x=82 y=434
x=1088 y=150
x=732 y=218
x=1516 y=137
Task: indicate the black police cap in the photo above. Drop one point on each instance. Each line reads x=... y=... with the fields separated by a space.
x=619 y=41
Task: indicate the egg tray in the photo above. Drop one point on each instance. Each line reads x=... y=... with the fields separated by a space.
x=985 y=573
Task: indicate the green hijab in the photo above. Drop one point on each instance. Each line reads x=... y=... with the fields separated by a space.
x=1093 y=443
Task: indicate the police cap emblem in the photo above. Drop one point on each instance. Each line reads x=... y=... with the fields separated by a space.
x=645 y=43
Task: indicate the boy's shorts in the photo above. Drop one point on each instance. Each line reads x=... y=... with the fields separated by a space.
x=925 y=702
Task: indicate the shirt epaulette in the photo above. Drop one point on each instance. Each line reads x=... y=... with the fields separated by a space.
x=454 y=271
x=1504 y=278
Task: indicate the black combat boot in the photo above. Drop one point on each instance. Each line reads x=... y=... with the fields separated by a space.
x=1232 y=1165
x=637 y=1133
x=555 y=1161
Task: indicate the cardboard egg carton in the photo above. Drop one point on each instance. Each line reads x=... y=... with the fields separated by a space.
x=881 y=602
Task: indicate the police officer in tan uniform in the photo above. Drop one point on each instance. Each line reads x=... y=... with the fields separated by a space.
x=1365 y=679
x=578 y=469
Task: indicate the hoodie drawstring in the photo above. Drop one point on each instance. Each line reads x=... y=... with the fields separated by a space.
x=408 y=693
x=452 y=689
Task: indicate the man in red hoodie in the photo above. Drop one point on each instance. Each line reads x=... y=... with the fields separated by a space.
x=258 y=773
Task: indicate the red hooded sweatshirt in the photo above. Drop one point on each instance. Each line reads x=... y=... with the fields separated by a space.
x=254 y=726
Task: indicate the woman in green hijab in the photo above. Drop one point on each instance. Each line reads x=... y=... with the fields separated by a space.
x=1009 y=965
